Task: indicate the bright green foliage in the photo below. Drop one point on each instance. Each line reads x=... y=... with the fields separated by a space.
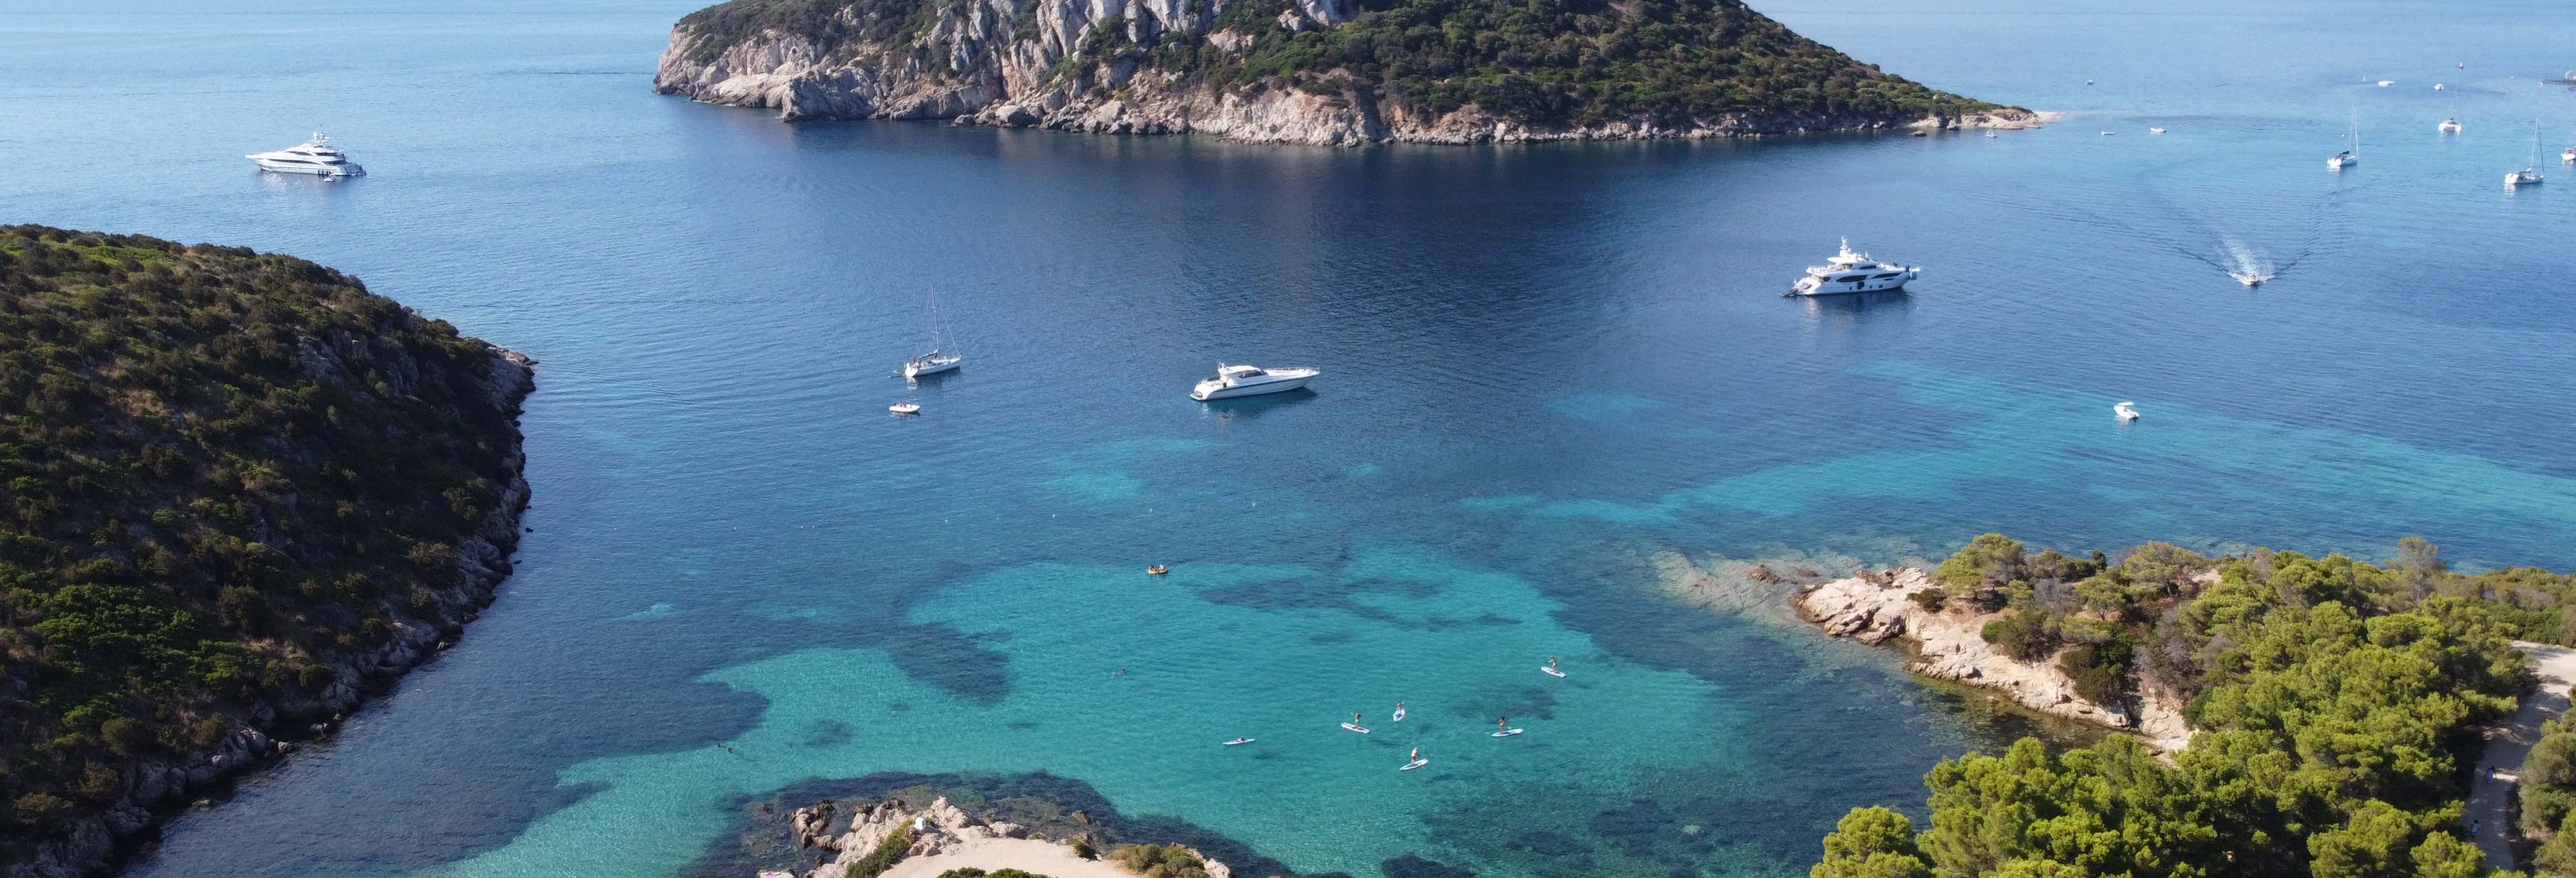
x=2109 y=809
x=2548 y=787
x=2336 y=702
x=2557 y=856
x=1986 y=563
x=223 y=470
x=1160 y=861
x=1535 y=61
x=1871 y=842
x=887 y=853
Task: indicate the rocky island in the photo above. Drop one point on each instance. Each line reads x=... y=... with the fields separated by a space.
x=243 y=492
x=1324 y=72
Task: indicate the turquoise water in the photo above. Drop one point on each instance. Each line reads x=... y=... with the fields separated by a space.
x=1549 y=372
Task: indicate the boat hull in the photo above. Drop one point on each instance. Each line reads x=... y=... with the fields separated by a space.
x=315 y=170
x=916 y=370
x=1859 y=286
x=1243 y=390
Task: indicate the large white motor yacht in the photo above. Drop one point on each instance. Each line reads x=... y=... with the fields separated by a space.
x=1234 y=381
x=1850 y=272
x=316 y=156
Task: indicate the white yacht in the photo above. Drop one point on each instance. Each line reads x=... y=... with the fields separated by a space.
x=316 y=156
x=1234 y=381
x=2126 y=411
x=1850 y=272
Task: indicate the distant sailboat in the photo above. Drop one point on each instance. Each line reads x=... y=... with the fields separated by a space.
x=2530 y=173
x=2351 y=156
x=938 y=359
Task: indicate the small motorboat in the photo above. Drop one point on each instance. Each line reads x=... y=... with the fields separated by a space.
x=1157 y=570
x=2109 y=133
x=2384 y=83
x=2249 y=279
x=2128 y=411
x=1238 y=742
x=2437 y=86
x=2569 y=155
x=905 y=408
x=1990 y=134
x=2155 y=131
x=2449 y=126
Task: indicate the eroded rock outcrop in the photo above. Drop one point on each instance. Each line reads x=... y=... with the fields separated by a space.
x=1949 y=644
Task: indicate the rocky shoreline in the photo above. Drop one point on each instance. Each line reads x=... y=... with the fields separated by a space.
x=944 y=831
x=989 y=69
x=155 y=788
x=1949 y=644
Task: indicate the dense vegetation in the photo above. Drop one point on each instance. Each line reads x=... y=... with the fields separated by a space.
x=1548 y=62
x=2335 y=701
x=225 y=471
x=2548 y=788
x=972 y=872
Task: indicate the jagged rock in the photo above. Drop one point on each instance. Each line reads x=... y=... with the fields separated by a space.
x=1949 y=644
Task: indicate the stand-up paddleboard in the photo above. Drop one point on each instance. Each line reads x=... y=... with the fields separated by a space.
x=1552 y=672
x=1418 y=763
x=1238 y=742
x=1354 y=728
x=1504 y=733
x=1399 y=714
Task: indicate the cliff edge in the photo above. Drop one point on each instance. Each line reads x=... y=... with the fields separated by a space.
x=1322 y=72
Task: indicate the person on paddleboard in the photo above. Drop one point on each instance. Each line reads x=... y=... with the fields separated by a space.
x=1417 y=754
x=1355 y=719
x=1551 y=663
x=1503 y=725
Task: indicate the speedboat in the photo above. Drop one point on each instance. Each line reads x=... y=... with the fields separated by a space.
x=2109 y=133
x=2384 y=83
x=905 y=408
x=2437 y=86
x=2449 y=126
x=1850 y=272
x=2155 y=131
x=316 y=156
x=1233 y=381
x=931 y=363
x=2128 y=411
x=2569 y=155
x=2249 y=279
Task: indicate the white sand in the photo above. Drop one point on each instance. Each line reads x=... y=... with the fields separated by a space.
x=995 y=854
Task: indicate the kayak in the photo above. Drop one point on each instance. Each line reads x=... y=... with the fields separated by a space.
x=1418 y=763
x=1359 y=729
x=1505 y=733
x=1552 y=672
x=1238 y=741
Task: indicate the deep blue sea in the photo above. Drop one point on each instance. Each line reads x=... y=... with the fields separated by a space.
x=1549 y=372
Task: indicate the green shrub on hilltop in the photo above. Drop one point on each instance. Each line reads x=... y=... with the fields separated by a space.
x=224 y=470
x=1159 y=861
x=892 y=850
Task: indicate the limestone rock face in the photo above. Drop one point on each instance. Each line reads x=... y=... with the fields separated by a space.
x=1018 y=64
x=1950 y=644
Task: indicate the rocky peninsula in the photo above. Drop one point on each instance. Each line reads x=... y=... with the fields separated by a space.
x=1322 y=72
x=1948 y=643
x=246 y=494
x=893 y=839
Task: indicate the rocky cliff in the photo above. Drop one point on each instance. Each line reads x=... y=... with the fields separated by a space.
x=1324 y=72
x=1949 y=644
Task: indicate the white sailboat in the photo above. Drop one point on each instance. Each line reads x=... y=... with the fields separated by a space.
x=2530 y=173
x=939 y=359
x=2351 y=156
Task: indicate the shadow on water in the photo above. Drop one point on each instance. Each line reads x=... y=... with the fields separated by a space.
x=1050 y=806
